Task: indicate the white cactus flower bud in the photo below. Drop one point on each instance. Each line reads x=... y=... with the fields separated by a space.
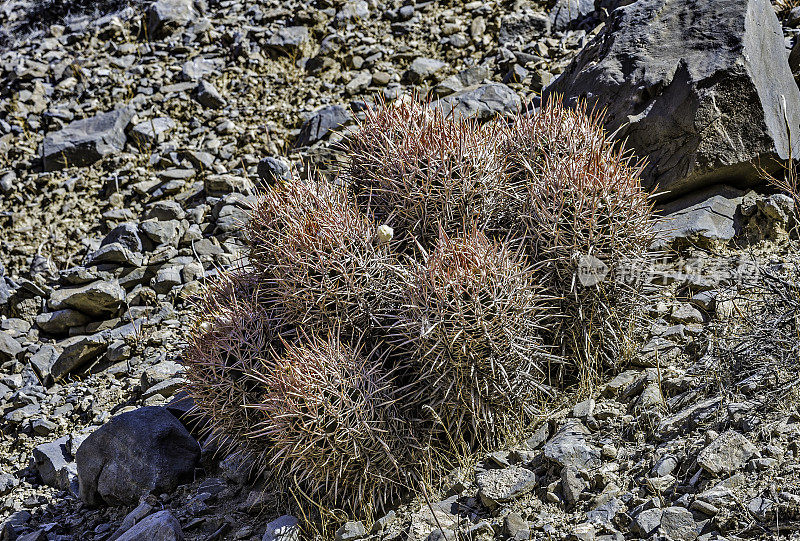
x=384 y=234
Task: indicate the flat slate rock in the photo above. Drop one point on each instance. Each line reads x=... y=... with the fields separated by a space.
x=97 y=299
x=569 y=447
x=569 y=12
x=709 y=215
x=161 y=526
x=504 y=485
x=86 y=141
x=726 y=454
x=321 y=122
x=483 y=102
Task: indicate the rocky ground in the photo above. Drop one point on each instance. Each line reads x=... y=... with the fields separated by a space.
x=132 y=140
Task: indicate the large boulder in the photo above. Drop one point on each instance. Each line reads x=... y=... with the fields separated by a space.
x=700 y=89
x=134 y=454
x=86 y=141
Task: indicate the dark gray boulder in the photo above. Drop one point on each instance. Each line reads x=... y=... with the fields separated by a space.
x=86 y=141
x=60 y=321
x=134 y=454
x=699 y=88
x=125 y=234
x=321 y=122
x=76 y=352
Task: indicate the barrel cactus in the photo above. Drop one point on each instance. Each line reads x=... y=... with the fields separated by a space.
x=455 y=277
x=473 y=314
x=589 y=225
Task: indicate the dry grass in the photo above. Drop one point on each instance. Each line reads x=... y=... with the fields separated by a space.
x=783 y=7
x=752 y=355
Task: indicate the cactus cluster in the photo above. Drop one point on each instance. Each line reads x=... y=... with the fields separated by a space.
x=453 y=277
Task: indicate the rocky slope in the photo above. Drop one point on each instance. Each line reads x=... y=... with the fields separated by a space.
x=133 y=141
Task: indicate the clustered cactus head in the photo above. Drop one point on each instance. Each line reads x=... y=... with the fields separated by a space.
x=320 y=260
x=232 y=338
x=589 y=224
x=455 y=275
x=473 y=313
x=329 y=413
x=417 y=170
x=579 y=193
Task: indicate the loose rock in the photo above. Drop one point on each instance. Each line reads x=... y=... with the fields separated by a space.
x=134 y=454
